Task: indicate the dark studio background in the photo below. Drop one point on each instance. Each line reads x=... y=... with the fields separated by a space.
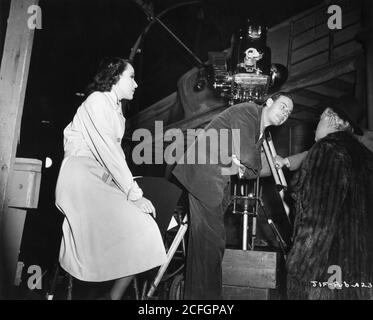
x=75 y=35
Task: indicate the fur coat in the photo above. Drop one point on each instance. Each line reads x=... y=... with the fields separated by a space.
x=333 y=192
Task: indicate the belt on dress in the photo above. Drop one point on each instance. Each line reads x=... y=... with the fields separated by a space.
x=107 y=178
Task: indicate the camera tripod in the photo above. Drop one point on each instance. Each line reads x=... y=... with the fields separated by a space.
x=252 y=203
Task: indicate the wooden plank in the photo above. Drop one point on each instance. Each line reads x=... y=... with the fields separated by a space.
x=13 y=222
x=346 y=34
x=368 y=44
x=348 y=5
x=315 y=62
x=322 y=74
x=250 y=268
x=351 y=17
x=315 y=25
x=310 y=50
x=4 y=9
x=339 y=84
x=348 y=78
x=310 y=36
x=249 y=293
x=312 y=94
x=310 y=21
x=320 y=16
x=347 y=49
x=327 y=90
x=300 y=16
x=13 y=79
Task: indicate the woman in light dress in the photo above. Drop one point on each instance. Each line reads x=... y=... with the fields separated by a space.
x=109 y=232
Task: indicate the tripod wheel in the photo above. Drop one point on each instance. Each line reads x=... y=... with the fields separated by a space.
x=177 y=288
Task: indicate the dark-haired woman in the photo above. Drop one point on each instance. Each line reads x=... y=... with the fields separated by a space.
x=108 y=230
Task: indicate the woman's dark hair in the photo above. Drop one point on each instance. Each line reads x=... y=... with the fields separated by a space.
x=108 y=74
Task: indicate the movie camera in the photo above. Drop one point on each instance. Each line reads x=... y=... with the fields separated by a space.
x=244 y=72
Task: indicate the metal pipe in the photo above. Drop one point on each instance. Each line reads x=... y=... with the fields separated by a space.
x=276 y=176
x=196 y=59
x=245 y=224
x=135 y=49
x=175 y=244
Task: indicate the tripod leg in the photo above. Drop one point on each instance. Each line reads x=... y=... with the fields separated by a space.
x=175 y=244
x=273 y=152
x=69 y=287
x=274 y=229
x=276 y=176
x=52 y=289
x=254 y=221
x=136 y=288
x=244 y=231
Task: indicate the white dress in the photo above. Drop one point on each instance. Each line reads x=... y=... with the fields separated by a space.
x=105 y=236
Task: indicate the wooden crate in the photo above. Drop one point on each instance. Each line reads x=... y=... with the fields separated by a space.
x=24 y=185
x=250 y=275
x=248 y=293
x=257 y=269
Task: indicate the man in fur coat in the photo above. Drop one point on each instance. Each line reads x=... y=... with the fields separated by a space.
x=331 y=256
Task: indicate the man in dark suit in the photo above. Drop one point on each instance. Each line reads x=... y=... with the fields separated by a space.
x=207 y=183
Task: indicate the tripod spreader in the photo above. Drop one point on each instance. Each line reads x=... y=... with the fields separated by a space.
x=251 y=200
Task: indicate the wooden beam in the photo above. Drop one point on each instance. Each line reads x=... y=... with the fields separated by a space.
x=321 y=75
x=311 y=94
x=4 y=9
x=368 y=45
x=349 y=77
x=326 y=90
x=13 y=80
x=340 y=85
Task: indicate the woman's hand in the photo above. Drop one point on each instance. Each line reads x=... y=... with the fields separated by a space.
x=280 y=162
x=145 y=206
